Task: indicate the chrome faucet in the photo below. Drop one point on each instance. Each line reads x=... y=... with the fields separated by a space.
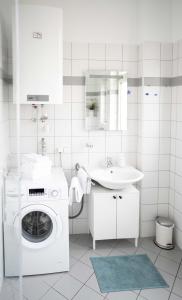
x=109 y=163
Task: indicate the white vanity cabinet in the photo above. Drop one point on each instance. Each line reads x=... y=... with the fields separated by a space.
x=114 y=214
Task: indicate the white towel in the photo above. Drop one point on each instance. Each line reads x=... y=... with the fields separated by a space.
x=75 y=191
x=85 y=180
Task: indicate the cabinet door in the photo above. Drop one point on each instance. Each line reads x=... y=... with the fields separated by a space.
x=104 y=216
x=128 y=216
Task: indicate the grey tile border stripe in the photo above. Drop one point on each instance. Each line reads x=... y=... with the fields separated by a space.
x=73 y=80
x=176 y=81
x=80 y=80
x=132 y=82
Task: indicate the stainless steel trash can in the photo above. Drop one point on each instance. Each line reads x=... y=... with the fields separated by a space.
x=164 y=233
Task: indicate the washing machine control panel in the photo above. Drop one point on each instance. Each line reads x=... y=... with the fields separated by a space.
x=42 y=192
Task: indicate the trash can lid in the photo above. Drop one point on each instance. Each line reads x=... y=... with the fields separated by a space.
x=164 y=221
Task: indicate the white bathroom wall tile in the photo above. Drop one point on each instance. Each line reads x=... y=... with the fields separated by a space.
x=98 y=144
x=165 y=129
x=79 y=144
x=166 y=51
x=67 y=50
x=164 y=163
x=80 y=226
x=78 y=128
x=150 y=112
x=131 y=68
x=66 y=93
x=63 y=144
x=113 y=143
x=77 y=111
x=132 y=111
x=163 y=195
x=147 y=229
x=79 y=67
x=178 y=202
x=66 y=67
x=79 y=51
x=132 y=94
x=129 y=144
x=151 y=68
x=165 y=94
x=132 y=128
x=62 y=128
x=45 y=129
x=114 y=65
x=81 y=158
x=114 y=52
x=97 y=51
x=151 y=50
x=130 y=52
x=150 y=146
x=178 y=166
x=97 y=64
x=27 y=145
x=148 y=212
x=179 y=67
x=150 y=163
x=164 y=179
x=131 y=159
x=149 y=128
x=63 y=111
x=179 y=148
x=150 y=94
x=149 y=196
x=150 y=180
x=179 y=130
x=27 y=128
x=164 y=145
x=175 y=67
x=78 y=93
x=179 y=112
x=97 y=160
x=166 y=68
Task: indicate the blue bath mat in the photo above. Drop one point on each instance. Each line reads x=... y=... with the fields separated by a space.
x=124 y=273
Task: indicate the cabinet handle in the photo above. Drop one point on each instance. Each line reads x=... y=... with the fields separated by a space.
x=120 y=197
x=114 y=197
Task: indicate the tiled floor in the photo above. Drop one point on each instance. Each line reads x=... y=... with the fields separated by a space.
x=81 y=284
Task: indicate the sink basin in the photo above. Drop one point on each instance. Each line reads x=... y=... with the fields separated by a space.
x=116 y=177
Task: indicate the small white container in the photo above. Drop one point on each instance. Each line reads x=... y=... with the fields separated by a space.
x=164 y=233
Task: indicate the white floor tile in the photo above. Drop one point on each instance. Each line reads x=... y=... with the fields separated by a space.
x=168 y=278
x=174 y=254
x=93 y=284
x=81 y=271
x=125 y=295
x=150 y=254
x=167 y=265
x=86 y=257
x=77 y=251
x=34 y=288
x=87 y=294
x=51 y=279
x=68 y=286
x=177 y=289
x=53 y=295
x=148 y=244
x=174 y=297
x=180 y=272
x=155 y=294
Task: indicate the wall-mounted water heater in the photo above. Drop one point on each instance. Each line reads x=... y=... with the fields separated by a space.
x=37 y=61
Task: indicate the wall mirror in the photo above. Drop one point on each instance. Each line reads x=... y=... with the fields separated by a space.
x=106 y=100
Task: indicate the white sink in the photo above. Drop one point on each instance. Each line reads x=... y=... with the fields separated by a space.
x=116 y=177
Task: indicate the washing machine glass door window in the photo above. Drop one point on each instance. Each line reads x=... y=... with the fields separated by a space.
x=40 y=226
x=37 y=226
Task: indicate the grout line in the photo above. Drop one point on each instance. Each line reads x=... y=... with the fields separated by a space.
x=175 y=279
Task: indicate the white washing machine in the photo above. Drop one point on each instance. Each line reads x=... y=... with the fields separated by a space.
x=40 y=227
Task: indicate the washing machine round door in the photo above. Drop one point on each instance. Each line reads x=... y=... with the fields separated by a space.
x=40 y=226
